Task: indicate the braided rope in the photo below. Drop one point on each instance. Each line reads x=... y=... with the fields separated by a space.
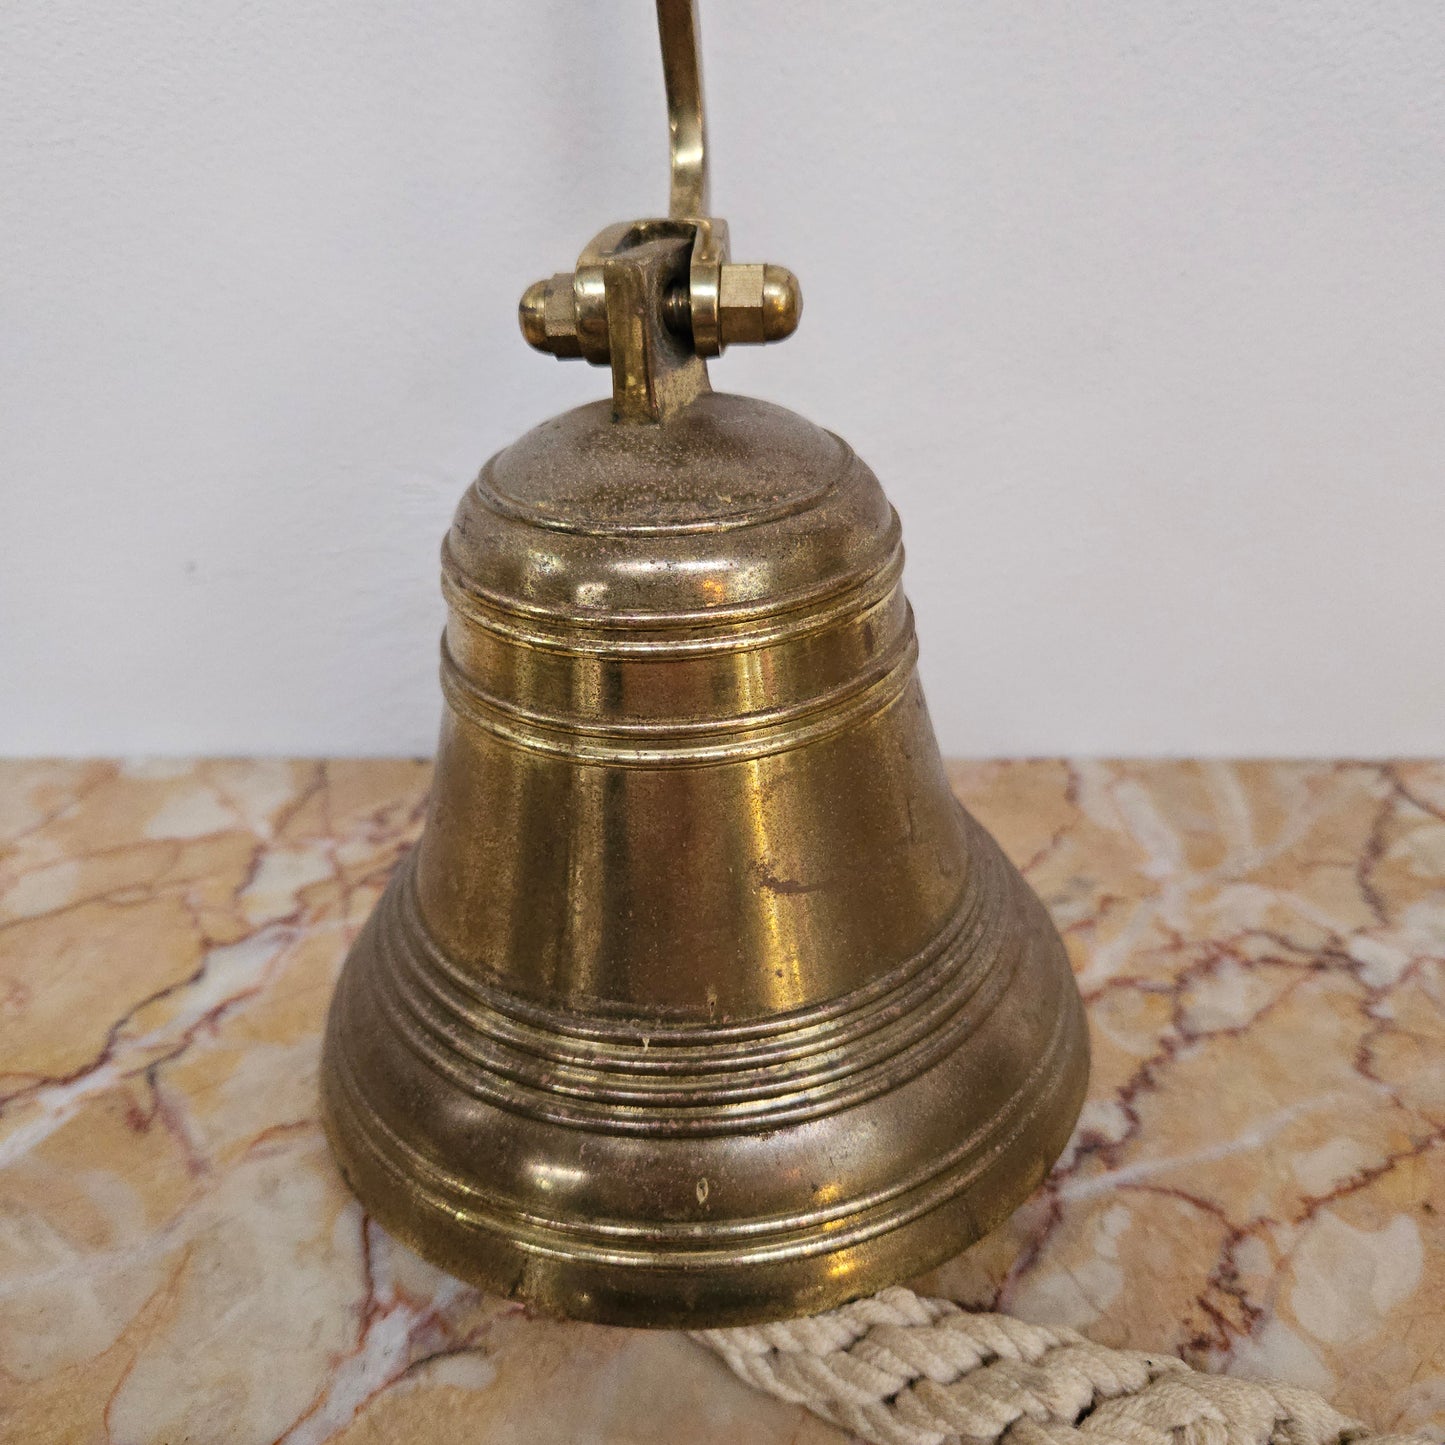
x=899 y=1369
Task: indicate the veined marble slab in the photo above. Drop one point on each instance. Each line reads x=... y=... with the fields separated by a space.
x=1258 y=1181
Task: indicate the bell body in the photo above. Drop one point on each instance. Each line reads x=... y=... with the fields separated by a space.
x=701 y=1000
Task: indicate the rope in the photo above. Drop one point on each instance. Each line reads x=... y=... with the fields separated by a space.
x=899 y=1369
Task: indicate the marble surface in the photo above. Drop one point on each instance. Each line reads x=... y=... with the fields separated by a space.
x=1258 y=1180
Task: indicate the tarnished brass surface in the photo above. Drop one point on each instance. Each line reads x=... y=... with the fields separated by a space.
x=701 y=1000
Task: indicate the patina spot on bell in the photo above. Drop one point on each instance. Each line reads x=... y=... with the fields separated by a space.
x=701 y=1000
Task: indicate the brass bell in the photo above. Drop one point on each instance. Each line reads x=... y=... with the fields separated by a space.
x=700 y=1001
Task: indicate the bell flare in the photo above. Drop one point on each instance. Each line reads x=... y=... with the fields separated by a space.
x=701 y=1001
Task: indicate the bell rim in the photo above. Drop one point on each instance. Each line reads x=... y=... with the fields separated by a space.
x=707 y=1272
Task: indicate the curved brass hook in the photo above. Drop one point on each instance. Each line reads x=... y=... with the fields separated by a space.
x=702 y=304
x=687 y=130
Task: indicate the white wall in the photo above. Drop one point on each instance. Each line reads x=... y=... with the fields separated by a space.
x=1137 y=308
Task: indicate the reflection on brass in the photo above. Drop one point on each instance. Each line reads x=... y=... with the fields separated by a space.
x=701 y=1000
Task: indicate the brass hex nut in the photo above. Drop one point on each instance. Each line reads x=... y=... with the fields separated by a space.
x=757 y=303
